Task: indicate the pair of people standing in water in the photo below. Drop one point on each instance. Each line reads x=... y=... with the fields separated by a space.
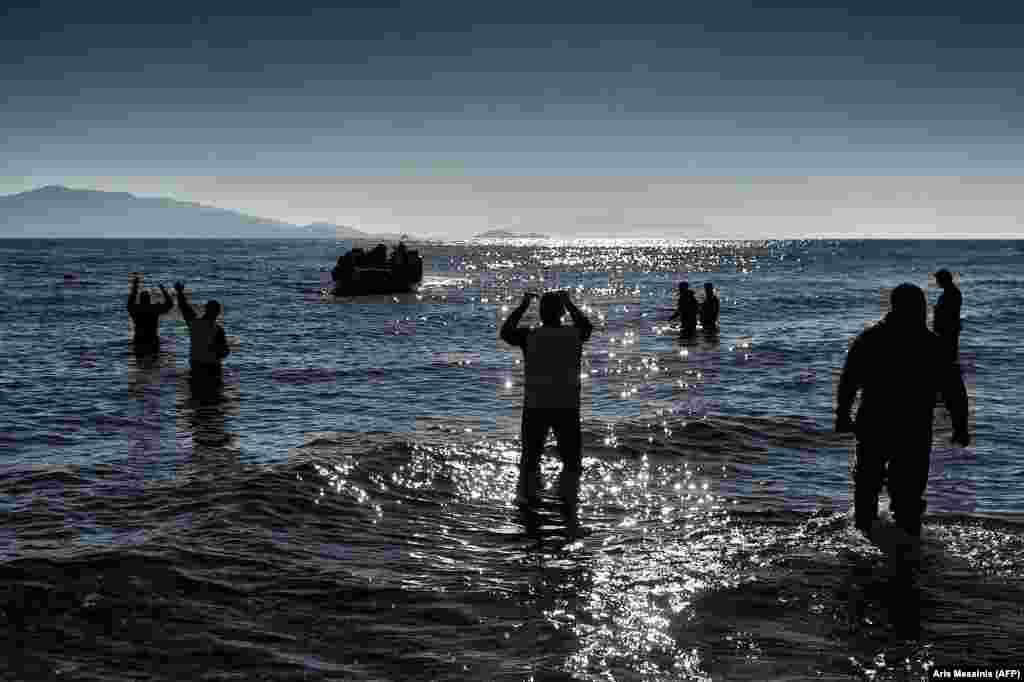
x=946 y=323
x=209 y=344
x=688 y=310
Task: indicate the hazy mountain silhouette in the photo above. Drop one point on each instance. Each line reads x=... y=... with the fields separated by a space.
x=59 y=212
x=505 y=234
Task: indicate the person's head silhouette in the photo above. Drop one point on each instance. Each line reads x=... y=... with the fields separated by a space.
x=551 y=308
x=684 y=287
x=908 y=304
x=709 y=288
x=944 y=277
x=212 y=309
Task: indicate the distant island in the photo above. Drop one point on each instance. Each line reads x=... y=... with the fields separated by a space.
x=505 y=234
x=58 y=212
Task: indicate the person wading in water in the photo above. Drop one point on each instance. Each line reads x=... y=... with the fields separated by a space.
x=900 y=366
x=552 y=355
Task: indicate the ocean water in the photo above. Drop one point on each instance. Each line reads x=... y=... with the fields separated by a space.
x=343 y=511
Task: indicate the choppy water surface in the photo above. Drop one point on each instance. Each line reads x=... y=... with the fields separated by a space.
x=343 y=511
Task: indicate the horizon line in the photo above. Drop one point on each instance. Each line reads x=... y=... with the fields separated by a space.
x=396 y=231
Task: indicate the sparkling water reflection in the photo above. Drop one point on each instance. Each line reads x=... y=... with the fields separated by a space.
x=343 y=510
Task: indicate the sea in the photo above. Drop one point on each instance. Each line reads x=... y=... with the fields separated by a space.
x=343 y=508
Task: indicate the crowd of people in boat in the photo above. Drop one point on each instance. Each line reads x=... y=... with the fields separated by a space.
x=377 y=258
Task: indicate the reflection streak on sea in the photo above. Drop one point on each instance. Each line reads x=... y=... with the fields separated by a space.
x=715 y=539
x=627 y=584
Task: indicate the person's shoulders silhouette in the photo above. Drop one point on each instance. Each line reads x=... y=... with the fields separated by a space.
x=901 y=366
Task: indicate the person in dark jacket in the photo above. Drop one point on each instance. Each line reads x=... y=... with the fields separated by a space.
x=552 y=355
x=146 y=318
x=946 y=322
x=209 y=344
x=709 y=308
x=900 y=366
x=686 y=310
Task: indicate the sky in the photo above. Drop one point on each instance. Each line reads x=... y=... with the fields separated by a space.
x=727 y=118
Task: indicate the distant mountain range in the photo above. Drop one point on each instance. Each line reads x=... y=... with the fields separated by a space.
x=505 y=234
x=57 y=212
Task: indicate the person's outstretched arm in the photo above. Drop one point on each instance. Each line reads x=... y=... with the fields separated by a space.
x=186 y=309
x=510 y=332
x=168 y=301
x=133 y=293
x=954 y=394
x=849 y=383
x=581 y=321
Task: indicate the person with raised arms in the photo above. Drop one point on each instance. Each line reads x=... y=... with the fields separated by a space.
x=552 y=357
x=209 y=344
x=146 y=317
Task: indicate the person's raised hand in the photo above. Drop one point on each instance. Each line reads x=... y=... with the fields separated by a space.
x=178 y=286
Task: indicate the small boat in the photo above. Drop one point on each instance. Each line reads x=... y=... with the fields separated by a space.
x=361 y=274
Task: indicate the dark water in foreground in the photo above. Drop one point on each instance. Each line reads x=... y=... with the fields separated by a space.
x=343 y=510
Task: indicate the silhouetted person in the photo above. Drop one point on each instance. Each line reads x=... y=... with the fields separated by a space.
x=552 y=355
x=686 y=310
x=947 y=314
x=415 y=264
x=709 y=308
x=209 y=344
x=343 y=269
x=900 y=366
x=146 y=318
x=379 y=256
x=358 y=257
